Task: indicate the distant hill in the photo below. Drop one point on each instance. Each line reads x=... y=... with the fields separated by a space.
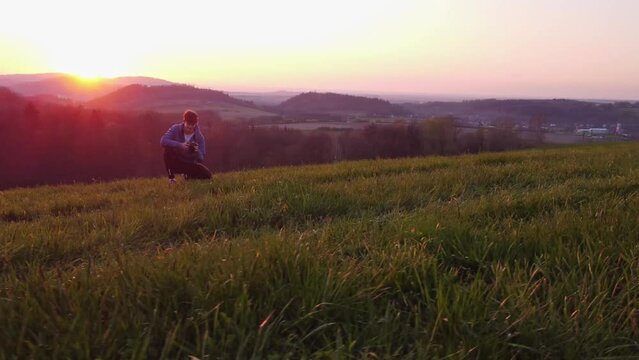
x=176 y=98
x=49 y=99
x=9 y=97
x=11 y=79
x=332 y=103
x=141 y=80
x=267 y=98
x=142 y=96
x=72 y=87
x=11 y=104
x=557 y=111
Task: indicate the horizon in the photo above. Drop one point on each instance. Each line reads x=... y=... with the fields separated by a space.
x=385 y=95
x=486 y=49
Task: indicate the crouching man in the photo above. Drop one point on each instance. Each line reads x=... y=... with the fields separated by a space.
x=184 y=149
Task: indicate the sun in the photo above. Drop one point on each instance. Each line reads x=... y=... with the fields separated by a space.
x=89 y=73
x=87 y=64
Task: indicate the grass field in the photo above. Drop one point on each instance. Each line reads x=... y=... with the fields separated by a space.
x=228 y=112
x=529 y=254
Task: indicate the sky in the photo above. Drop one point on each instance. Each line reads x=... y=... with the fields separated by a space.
x=587 y=49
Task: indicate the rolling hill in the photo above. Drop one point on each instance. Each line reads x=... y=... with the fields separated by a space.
x=11 y=79
x=10 y=105
x=175 y=99
x=8 y=97
x=265 y=98
x=72 y=87
x=528 y=254
x=332 y=103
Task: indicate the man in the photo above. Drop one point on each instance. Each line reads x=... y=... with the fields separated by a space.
x=184 y=149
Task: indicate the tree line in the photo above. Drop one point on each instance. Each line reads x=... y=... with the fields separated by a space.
x=44 y=143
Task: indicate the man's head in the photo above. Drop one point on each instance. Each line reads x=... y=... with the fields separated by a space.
x=190 y=121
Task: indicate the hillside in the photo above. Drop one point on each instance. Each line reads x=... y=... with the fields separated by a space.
x=72 y=87
x=525 y=254
x=9 y=79
x=557 y=111
x=11 y=104
x=331 y=103
x=10 y=98
x=176 y=98
x=265 y=98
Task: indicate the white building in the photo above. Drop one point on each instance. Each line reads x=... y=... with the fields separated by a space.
x=592 y=131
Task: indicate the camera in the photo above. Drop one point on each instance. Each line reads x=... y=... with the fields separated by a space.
x=192 y=147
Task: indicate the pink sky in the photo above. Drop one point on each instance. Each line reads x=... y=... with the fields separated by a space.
x=511 y=48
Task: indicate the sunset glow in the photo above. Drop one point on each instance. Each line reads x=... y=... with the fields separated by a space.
x=566 y=48
x=86 y=66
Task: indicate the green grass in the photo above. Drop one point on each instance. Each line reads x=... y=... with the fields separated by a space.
x=528 y=254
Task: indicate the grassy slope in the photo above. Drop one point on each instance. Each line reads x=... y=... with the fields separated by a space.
x=229 y=112
x=530 y=253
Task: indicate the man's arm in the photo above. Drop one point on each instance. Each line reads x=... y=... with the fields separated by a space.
x=201 y=147
x=169 y=139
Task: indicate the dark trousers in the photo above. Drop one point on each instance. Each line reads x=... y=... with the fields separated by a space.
x=190 y=170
